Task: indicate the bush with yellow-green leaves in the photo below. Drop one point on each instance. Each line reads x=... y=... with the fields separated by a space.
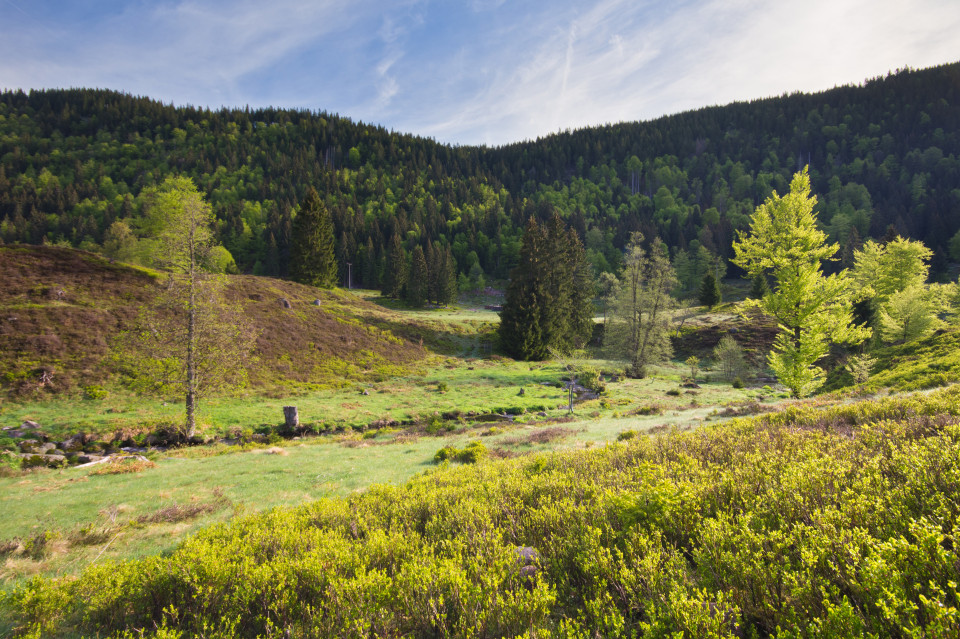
x=840 y=522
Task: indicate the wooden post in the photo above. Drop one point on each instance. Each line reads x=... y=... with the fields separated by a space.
x=290 y=417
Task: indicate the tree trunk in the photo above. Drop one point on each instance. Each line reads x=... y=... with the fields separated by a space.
x=290 y=418
x=191 y=425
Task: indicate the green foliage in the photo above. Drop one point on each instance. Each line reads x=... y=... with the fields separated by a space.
x=591 y=379
x=882 y=270
x=471 y=454
x=758 y=286
x=907 y=315
x=813 y=310
x=923 y=363
x=767 y=526
x=312 y=259
x=395 y=275
x=859 y=367
x=730 y=359
x=694 y=265
x=95 y=391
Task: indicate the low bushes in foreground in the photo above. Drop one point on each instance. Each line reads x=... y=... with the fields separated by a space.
x=834 y=523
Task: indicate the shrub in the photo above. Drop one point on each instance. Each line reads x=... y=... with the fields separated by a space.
x=474 y=452
x=730 y=359
x=626 y=435
x=471 y=454
x=591 y=379
x=447 y=453
x=94 y=392
x=737 y=382
x=757 y=527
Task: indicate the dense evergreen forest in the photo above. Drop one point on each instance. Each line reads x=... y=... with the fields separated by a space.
x=883 y=154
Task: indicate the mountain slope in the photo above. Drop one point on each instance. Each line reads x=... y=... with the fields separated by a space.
x=886 y=153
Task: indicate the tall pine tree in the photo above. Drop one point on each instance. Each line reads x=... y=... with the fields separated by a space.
x=312 y=257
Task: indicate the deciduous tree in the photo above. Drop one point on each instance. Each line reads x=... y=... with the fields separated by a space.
x=812 y=310
x=641 y=308
x=189 y=341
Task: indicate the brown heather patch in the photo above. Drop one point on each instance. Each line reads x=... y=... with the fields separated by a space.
x=122 y=467
x=60 y=309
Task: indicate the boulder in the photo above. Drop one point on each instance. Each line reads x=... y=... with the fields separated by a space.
x=74 y=443
x=285 y=303
x=86 y=459
x=29 y=446
x=29 y=425
x=528 y=560
x=32 y=460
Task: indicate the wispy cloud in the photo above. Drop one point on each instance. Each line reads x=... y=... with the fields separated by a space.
x=474 y=71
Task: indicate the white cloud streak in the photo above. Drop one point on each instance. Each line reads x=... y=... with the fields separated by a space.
x=621 y=64
x=506 y=71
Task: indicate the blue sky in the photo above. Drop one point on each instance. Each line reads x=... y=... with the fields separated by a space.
x=470 y=71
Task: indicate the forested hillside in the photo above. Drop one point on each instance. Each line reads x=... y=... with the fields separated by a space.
x=74 y=162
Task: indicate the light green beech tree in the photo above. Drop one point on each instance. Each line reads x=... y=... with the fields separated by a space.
x=812 y=310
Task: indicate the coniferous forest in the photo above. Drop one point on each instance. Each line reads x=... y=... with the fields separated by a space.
x=883 y=155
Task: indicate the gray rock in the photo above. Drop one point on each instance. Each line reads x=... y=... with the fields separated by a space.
x=285 y=303
x=86 y=459
x=316 y=302
x=32 y=460
x=527 y=555
x=529 y=561
x=29 y=446
x=73 y=444
x=29 y=425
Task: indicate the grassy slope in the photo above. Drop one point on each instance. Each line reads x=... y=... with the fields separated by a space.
x=63 y=502
x=924 y=363
x=60 y=307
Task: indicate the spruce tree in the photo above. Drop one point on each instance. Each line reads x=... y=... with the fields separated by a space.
x=447 y=278
x=710 y=294
x=434 y=257
x=417 y=281
x=758 y=286
x=581 y=297
x=371 y=266
x=395 y=270
x=520 y=332
x=312 y=256
x=548 y=303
